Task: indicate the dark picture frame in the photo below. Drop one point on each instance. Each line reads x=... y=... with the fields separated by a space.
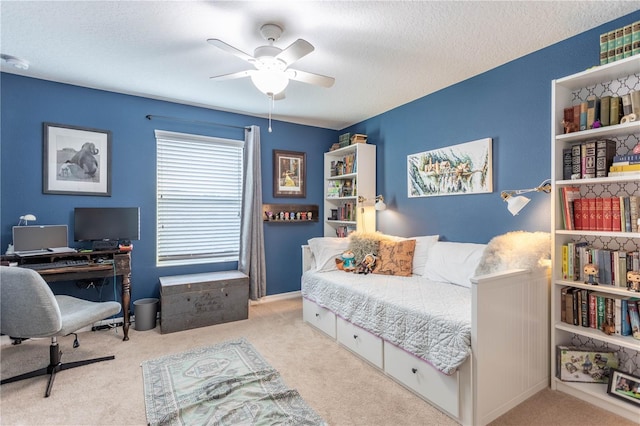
x=76 y=160
x=622 y=385
x=289 y=174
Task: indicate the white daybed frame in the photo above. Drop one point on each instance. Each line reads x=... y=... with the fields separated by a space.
x=509 y=343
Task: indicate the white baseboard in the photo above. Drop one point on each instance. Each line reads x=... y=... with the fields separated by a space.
x=277 y=297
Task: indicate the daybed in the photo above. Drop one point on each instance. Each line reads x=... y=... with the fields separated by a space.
x=464 y=326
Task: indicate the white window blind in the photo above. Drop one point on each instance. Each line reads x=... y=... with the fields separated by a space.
x=199 y=193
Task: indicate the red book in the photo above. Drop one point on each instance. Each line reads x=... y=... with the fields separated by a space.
x=606 y=212
x=599 y=214
x=585 y=214
x=577 y=213
x=592 y=310
x=569 y=195
x=615 y=214
x=592 y=214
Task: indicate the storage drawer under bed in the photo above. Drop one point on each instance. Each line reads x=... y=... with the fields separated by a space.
x=423 y=379
x=319 y=317
x=360 y=341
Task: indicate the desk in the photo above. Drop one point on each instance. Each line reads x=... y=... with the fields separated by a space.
x=121 y=259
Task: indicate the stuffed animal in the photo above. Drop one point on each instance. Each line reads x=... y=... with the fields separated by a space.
x=367 y=264
x=348 y=260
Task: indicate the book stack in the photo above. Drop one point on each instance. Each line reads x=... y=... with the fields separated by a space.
x=608 y=214
x=620 y=43
x=608 y=110
x=624 y=165
x=611 y=314
x=589 y=159
x=358 y=138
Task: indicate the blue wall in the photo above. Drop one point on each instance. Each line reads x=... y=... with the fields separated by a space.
x=510 y=104
x=26 y=103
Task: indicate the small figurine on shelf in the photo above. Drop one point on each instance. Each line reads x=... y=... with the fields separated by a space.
x=633 y=281
x=298 y=216
x=591 y=272
x=309 y=215
x=596 y=124
x=303 y=215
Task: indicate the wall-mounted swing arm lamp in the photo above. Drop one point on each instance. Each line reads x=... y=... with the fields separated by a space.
x=379 y=202
x=516 y=202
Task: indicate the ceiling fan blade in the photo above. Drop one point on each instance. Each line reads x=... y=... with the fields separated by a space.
x=239 y=74
x=311 y=78
x=295 y=51
x=230 y=49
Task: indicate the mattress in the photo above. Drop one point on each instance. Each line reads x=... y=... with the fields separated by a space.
x=431 y=320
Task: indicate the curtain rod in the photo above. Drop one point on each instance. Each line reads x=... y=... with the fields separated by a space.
x=206 y=123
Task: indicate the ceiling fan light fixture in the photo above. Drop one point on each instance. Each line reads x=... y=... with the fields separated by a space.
x=270 y=82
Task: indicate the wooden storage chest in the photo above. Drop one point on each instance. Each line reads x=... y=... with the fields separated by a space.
x=199 y=300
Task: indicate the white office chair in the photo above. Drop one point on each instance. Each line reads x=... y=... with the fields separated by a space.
x=28 y=308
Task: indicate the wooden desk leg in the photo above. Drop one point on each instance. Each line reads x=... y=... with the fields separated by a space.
x=126 y=299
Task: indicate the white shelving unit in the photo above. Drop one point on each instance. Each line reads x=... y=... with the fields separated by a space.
x=616 y=78
x=360 y=177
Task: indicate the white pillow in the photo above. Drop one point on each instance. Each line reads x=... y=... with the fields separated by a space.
x=453 y=262
x=423 y=244
x=326 y=250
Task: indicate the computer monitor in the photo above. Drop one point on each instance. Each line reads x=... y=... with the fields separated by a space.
x=106 y=223
x=39 y=237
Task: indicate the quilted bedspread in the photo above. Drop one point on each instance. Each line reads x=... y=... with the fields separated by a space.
x=431 y=320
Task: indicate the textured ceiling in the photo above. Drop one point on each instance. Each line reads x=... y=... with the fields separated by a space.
x=382 y=54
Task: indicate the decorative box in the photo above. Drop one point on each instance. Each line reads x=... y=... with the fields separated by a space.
x=574 y=364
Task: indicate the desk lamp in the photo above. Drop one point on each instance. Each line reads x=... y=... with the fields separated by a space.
x=26 y=218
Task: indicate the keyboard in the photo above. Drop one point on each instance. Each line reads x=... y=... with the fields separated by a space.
x=57 y=264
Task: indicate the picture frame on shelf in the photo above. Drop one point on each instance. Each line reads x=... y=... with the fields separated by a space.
x=624 y=386
x=76 y=160
x=289 y=174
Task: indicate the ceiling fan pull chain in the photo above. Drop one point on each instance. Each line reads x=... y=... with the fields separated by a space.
x=270 y=98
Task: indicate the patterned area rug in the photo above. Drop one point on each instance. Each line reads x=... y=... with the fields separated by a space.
x=226 y=384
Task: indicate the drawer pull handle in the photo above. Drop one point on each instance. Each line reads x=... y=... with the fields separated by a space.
x=355 y=336
x=414 y=370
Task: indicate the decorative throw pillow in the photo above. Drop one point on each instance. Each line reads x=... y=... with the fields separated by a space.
x=395 y=258
x=363 y=243
x=326 y=250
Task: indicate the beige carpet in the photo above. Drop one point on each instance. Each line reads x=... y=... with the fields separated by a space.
x=343 y=389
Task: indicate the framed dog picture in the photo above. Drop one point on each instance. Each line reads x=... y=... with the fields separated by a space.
x=76 y=160
x=289 y=174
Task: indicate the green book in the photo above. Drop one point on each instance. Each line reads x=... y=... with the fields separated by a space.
x=626 y=41
x=604 y=48
x=619 y=43
x=611 y=47
x=635 y=38
x=614 y=110
x=605 y=110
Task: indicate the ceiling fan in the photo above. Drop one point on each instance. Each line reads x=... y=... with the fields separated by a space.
x=272 y=73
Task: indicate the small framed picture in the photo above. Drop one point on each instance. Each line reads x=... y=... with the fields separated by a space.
x=76 y=160
x=624 y=386
x=289 y=174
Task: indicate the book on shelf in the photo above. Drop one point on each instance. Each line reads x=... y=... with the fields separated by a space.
x=626 y=41
x=593 y=110
x=615 y=109
x=634 y=318
x=607 y=214
x=634 y=210
x=619 y=44
x=625 y=322
x=635 y=38
x=577 y=214
x=635 y=102
x=626 y=104
x=569 y=194
x=605 y=151
x=566 y=164
x=605 y=110
x=616 y=224
x=588 y=160
x=583 y=115
x=604 y=48
x=611 y=46
x=576 y=165
x=624 y=160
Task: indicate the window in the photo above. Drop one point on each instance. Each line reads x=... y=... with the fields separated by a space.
x=199 y=198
